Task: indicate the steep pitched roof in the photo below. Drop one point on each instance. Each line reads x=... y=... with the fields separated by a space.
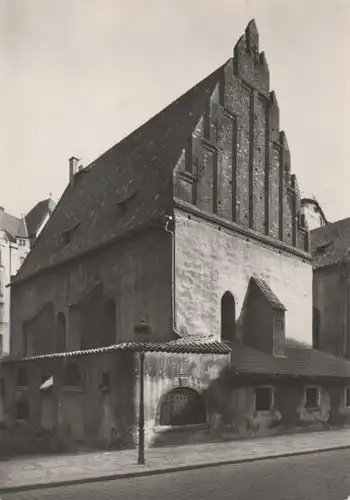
x=299 y=360
x=13 y=226
x=139 y=169
x=37 y=214
x=268 y=293
x=330 y=244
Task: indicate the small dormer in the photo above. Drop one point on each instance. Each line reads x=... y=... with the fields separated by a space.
x=264 y=319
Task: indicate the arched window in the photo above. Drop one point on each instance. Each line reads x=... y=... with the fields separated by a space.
x=316 y=323
x=22 y=377
x=61 y=332
x=22 y=410
x=182 y=406
x=109 y=323
x=72 y=376
x=228 y=317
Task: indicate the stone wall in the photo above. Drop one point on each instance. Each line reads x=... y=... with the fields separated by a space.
x=210 y=260
x=136 y=274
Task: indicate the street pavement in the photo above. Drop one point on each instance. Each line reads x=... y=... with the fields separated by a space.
x=25 y=473
x=319 y=476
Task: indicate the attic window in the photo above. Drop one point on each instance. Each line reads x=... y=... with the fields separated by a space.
x=322 y=248
x=122 y=204
x=67 y=235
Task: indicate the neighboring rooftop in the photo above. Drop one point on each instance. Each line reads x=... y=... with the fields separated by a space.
x=330 y=244
x=136 y=173
x=37 y=215
x=14 y=227
x=299 y=360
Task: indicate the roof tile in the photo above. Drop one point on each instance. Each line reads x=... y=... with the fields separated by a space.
x=141 y=162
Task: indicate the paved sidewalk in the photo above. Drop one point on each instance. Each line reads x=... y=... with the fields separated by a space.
x=28 y=473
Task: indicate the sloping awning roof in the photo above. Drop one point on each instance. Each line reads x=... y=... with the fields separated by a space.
x=299 y=361
x=268 y=293
x=190 y=345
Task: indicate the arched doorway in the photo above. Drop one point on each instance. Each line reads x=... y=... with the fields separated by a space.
x=182 y=406
x=228 y=317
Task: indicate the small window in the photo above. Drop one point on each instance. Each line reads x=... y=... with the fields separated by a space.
x=22 y=377
x=316 y=323
x=1 y=313
x=228 y=317
x=263 y=399
x=2 y=388
x=347 y=397
x=72 y=376
x=1 y=343
x=312 y=397
x=105 y=382
x=22 y=410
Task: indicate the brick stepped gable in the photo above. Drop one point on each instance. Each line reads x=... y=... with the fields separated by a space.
x=237 y=163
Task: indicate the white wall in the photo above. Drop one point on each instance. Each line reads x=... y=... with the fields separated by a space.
x=209 y=262
x=11 y=254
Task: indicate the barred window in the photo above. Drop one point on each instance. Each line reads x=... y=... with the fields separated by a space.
x=182 y=406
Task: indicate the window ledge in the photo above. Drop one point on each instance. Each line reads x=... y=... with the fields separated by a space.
x=312 y=408
x=177 y=428
x=73 y=388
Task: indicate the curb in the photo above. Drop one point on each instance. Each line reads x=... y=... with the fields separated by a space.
x=167 y=470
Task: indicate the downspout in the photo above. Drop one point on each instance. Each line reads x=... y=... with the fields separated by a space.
x=169 y=219
x=344 y=302
x=345 y=320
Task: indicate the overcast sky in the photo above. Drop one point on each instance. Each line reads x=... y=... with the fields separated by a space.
x=78 y=75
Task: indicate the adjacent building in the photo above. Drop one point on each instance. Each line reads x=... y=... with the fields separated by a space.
x=38 y=217
x=186 y=242
x=17 y=235
x=14 y=247
x=331 y=288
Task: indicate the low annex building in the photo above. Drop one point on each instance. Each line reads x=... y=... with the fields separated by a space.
x=193 y=225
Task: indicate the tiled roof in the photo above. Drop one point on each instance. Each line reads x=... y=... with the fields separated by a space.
x=269 y=294
x=299 y=360
x=139 y=169
x=183 y=345
x=330 y=244
x=37 y=214
x=13 y=226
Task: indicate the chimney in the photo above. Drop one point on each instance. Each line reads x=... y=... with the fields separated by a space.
x=73 y=169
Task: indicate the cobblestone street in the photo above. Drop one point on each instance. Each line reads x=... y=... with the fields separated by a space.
x=324 y=476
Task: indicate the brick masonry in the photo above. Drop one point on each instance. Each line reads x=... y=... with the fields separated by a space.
x=238 y=160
